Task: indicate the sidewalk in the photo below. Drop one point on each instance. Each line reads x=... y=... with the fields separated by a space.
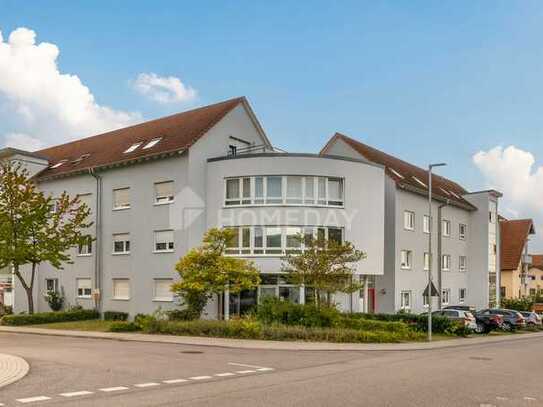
x=273 y=345
x=12 y=368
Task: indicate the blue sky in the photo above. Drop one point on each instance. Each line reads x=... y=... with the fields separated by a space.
x=426 y=81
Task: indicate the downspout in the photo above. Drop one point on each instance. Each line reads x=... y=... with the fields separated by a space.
x=98 y=237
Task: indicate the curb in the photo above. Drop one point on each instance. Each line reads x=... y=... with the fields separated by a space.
x=271 y=345
x=12 y=369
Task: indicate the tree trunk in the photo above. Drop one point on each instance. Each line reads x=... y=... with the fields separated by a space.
x=30 y=300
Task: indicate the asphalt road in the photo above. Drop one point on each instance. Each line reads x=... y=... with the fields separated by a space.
x=96 y=372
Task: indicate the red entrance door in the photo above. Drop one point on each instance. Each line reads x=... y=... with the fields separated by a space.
x=371 y=300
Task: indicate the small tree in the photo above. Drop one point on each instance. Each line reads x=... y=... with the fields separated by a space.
x=35 y=228
x=206 y=271
x=324 y=265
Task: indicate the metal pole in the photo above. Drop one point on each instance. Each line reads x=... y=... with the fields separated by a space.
x=430 y=254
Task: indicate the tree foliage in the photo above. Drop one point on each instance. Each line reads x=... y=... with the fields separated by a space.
x=325 y=265
x=206 y=271
x=35 y=228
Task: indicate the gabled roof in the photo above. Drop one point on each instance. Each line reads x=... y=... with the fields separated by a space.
x=513 y=237
x=537 y=261
x=407 y=175
x=8 y=152
x=176 y=132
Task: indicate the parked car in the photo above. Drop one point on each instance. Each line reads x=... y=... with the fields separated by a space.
x=487 y=321
x=511 y=319
x=532 y=319
x=458 y=315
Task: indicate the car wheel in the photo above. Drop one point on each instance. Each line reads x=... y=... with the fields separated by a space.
x=507 y=326
x=480 y=329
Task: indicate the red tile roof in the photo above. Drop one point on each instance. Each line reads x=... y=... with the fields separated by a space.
x=405 y=174
x=177 y=132
x=513 y=237
x=537 y=260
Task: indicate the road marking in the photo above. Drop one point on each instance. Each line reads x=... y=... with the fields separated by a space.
x=244 y=365
x=502 y=398
x=265 y=369
x=110 y=389
x=530 y=399
x=173 y=381
x=76 y=393
x=225 y=374
x=246 y=371
x=487 y=405
x=33 y=399
x=200 y=377
x=150 y=384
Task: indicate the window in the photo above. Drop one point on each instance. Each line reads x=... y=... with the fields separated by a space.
x=51 y=285
x=424 y=300
x=152 y=143
x=164 y=241
x=273 y=240
x=462 y=230
x=426 y=224
x=274 y=190
x=309 y=190
x=409 y=220
x=405 y=300
x=240 y=242
x=232 y=150
x=445 y=294
x=121 y=243
x=462 y=295
x=133 y=147
x=335 y=191
x=406 y=259
x=446 y=262
x=293 y=241
x=392 y=170
x=59 y=164
x=462 y=263
x=335 y=235
x=85 y=248
x=162 y=289
x=164 y=192
x=80 y=158
x=446 y=227
x=491 y=217
x=121 y=198
x=84 y=287
x=426 y=261
x=294 y=190
x=121 y=289
x=418 y=181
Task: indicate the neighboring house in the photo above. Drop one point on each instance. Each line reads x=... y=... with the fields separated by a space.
x=6 y=288
x=535 y=275
x=155 y=188
x=515 y=261
x=465 y=236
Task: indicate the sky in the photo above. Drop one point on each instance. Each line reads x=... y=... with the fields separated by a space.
x=450 y=81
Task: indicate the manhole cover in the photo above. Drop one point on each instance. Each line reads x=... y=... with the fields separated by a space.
x=192 y=352
x=479 y=358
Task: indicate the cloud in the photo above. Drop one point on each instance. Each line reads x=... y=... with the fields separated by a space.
x=23 y=142
x=513 y=171
x=163 y=89
x=42 y=106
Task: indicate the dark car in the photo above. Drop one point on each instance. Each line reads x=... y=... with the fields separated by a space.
x=532 y=319
x=511 y=319
x=487 y=321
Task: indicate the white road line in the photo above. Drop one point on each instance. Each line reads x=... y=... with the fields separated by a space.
x=245 y=371
x=244 y=365
x=530 y=399
x=501 y=398
x=33 y=399
x=265 y=369
x=173 y=381
x=150 y=384
x=225 y=374
x=76 y=393
x=110 y=389
x=200 y=377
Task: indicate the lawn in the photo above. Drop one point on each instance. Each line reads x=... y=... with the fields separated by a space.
x=96 y=325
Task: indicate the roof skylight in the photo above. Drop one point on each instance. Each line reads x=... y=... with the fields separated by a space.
x=132 y=147
x=419 y=182
x=59 y=164
x=392 y=170
x=455 y=195
x=78 y=160
x=152 y=143
x=445 y=191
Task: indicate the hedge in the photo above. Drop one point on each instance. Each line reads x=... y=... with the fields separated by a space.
x=440 y=325
x=115 y=316
x=123 y=326
x=49 y=317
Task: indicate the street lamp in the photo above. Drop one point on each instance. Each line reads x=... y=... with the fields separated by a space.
x=430 y=283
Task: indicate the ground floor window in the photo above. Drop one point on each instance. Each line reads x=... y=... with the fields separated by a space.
x=445 y=296
x=121 y=289
x=84 y=287
x=462 y=295
x=161 y=290
x=51 y=285
x=405 y=300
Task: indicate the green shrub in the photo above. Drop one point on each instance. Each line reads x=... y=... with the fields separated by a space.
x=518 y=304
x=123 y=326
x=55 y=300
x=371 y=325
x=115 y=316
x=440 y=325
x=49 y=317
x=183 y=314
x=275 y=311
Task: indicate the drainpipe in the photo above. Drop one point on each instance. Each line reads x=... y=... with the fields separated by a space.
x=98 y=237
x=439 y=253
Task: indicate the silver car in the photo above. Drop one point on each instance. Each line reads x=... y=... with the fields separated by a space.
x=458 y=315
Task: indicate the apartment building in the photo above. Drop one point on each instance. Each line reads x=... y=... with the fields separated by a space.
x=154 y=189
x=535 y=275
x=465 y=237
x=516 y=278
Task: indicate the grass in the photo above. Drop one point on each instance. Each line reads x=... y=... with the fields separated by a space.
x=95 y=325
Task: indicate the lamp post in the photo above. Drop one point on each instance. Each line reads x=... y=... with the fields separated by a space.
x=430 y=284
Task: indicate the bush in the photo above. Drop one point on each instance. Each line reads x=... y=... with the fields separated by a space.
x=115 y=316
x=518 y=304
x=183 y=314
x=275 y=311
x=440 y=325
x=55 y=300
x=49 y=317
x=123 y=326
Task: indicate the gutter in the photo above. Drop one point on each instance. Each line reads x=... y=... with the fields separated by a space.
x=97 y=294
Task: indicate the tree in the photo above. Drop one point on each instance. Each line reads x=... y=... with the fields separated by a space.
x=35 y=228
x=324 y=265
x=206 y=271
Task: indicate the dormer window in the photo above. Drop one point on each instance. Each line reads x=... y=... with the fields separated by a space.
x=445 y=191
x=152 y=143
x=78 y=160
x=59 y=164
x=133 y=147
x=422 y=184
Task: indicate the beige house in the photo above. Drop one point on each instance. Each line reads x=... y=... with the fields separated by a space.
x=515 y=261
x=535 y=275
